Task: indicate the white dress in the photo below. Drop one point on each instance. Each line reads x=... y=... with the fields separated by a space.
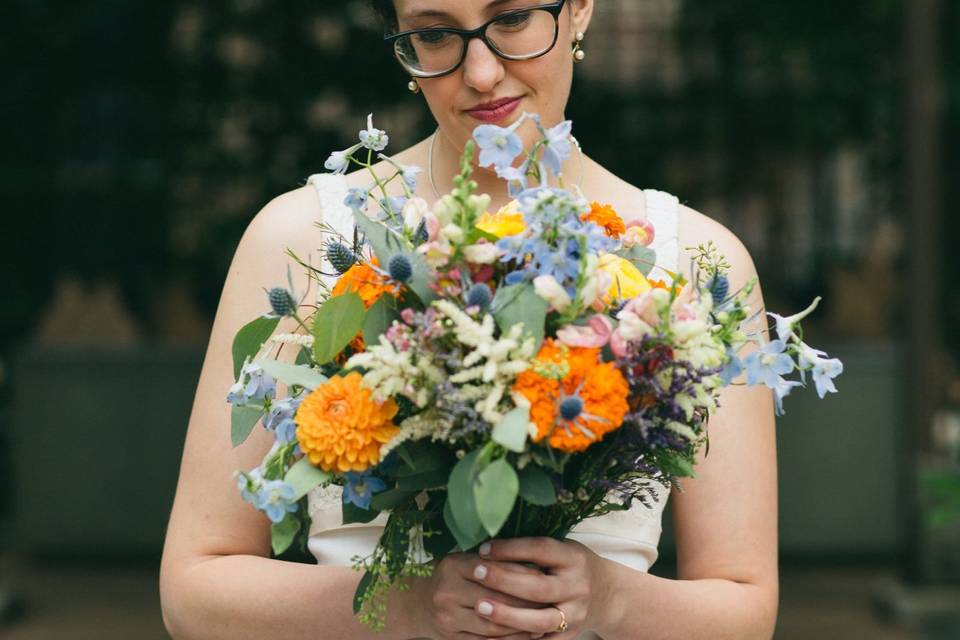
x=628 y=537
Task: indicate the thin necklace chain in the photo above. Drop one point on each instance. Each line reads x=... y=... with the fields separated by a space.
x=433 y=142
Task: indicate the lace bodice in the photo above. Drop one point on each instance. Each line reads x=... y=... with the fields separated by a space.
x=629 y=537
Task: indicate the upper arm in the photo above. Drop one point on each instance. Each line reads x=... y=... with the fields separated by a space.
x=726 y=517
x=208 y=516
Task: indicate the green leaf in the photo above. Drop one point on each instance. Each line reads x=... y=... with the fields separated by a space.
x=249 y=339
x=426 y=480
x=304 y=476
x=358 y=595
x=512 y=431
x=352 y=513
x=335 y=324
x=460 y=510
x=440 y=542
x=379 y=318
x=643 y=258
x=242 y=421
x=282 y=533
x=387 y=244
x=519 y=303
x=495 y=492
x=304 y=356
x=677 y=466
x=293 y=373
x=423 y=456
x=391 y=499
x=535 y=486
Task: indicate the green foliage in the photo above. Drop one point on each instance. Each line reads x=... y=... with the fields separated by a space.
x=304 y=476
x=460 y=510
x=335 y=324
x=536 y=487
x=379 y=318
x=495 y=492
x=352 y=513
x=512 y=431
x=519 y=303
x=283 y=533
x=292 y=374
x=386 y=244
x=242 y=421
x=250 y=338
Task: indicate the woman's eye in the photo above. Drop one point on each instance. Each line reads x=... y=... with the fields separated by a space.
x=432 y=38
x=514 y=20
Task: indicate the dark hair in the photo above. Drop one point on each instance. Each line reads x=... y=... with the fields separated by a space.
x=386 y=11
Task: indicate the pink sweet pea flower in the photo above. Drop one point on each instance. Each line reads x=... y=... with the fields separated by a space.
x=595 y=334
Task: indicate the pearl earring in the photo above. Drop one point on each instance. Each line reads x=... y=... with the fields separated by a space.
x=413 y=86
x=578 y=53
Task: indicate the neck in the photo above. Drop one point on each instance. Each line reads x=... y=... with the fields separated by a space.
x=446 y=164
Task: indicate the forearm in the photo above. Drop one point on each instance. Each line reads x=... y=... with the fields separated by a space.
x=639 y=605
x=244 y=596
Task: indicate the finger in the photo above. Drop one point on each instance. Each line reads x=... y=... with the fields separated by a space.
x=531 y=620
x=539 y=588
x=470 y=622
x=470 y=591
x=543 y=551
x=472 y=636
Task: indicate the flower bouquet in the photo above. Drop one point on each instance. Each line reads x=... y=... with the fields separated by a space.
x=478 y=374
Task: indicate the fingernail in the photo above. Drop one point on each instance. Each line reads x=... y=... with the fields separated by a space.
x=484 y=608
x=485 y=549
x=480 y=572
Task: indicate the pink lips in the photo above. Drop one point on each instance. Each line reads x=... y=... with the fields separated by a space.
x=494 y=111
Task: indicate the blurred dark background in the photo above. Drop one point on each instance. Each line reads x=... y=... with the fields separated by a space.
x=141 y=138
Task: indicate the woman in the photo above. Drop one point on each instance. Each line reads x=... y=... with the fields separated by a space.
x=217 y=580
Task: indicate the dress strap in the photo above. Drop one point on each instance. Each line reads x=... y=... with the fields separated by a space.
x=663 y=212
x=337 y=218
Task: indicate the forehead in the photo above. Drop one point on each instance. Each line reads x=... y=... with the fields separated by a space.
x=411 y=9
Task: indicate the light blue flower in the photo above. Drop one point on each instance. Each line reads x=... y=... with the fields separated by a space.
x=280 y=418
x=768 y=364
x=360 y=488
x=499 y=146
x=557 y=146
x=254 y=385
x=516 y=178
x=785 y=325
x=250 y=484
x=823 y=369
x=733 y=368
x=338 y=162
x=392 y=205
x=409 y=175
x=356 y=198
x=276 y=499
x=373 y=138
x=781 y=390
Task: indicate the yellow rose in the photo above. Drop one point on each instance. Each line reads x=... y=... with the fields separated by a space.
x=626 y=280
x=506 y=222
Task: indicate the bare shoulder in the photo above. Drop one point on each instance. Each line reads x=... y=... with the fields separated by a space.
x=697 y=229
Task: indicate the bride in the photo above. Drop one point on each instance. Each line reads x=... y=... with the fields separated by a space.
x=476 y=62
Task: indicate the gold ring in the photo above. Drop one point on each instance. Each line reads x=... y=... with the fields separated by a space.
x=563 y=626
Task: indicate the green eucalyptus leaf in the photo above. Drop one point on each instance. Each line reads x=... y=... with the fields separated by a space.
x=358 y=595
x=283 y=533
x=242 y=421
x=512 y=431
x=249 y=339
x=354 y=514
x=426 y=480
x=460 y=510
x=289 y=374
x=643 y=258
x=519 y=303
x=303 y=476
x=536 y=487
x=495 y=492
x=379 y=318
x=392 y=498
x=335 y=324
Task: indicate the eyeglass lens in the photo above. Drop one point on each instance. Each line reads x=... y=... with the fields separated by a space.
x=517 y=35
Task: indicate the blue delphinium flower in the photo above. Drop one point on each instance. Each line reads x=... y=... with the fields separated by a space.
x=393 y=204
x=733 y=368
x=276 y=499
x=249 y=485
x=338 y=162
x=280 y=418
x=768 y=364
x=373 y=138
x=781 y=390
x=254 y=385
x=356 y=198
x=823 y=369
x=516 y=178
x=409 y=175
x=785 y=325
x=499 y=146
x=557 y=146
x=360 y=488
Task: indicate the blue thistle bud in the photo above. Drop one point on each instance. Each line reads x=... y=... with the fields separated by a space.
x=479 y=295
x=340 y=257
x=421 y=235
x=719 y=287
x=571 y=408
x=281 y=301
x=400 y=268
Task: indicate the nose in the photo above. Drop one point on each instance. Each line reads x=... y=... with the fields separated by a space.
x=482 y=69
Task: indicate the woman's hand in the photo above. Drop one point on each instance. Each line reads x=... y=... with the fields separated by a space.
x=448 y=599
x=573 y=582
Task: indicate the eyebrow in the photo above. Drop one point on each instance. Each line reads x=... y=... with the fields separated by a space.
x=437 y=13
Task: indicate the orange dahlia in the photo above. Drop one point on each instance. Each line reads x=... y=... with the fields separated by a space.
x=575 y=398
x=363 y=280
x=604 y=216
x=341 y=428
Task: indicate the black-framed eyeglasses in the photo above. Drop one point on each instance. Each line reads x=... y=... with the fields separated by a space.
x=518 y=34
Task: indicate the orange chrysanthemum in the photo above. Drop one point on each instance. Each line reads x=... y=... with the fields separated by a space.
x=366 y=283
x=597 y=388
x=341 y=428
x=604 y=216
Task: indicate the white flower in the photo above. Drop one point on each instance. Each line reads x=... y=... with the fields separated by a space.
x=414 y=210
x=483 y=253
x=550 y=290
x=453 y=233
